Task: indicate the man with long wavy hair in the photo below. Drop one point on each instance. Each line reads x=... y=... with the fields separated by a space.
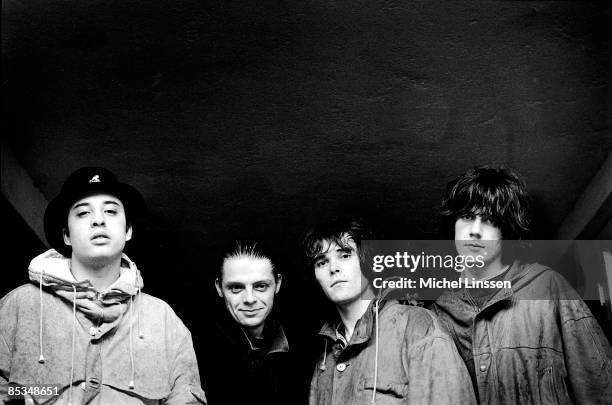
x=536 y=342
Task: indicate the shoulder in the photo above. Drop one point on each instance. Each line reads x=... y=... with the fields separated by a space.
x=154 y=302
x=448 y=297
x=419 y=322
x=159 y=310
x=20 y=295
x=542 y=282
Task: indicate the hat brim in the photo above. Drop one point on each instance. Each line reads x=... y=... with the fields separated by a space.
x=56 y=214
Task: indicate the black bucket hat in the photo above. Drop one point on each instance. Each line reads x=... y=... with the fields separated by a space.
x=85 y=182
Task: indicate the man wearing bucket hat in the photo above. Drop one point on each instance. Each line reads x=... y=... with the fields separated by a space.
x=82 y=331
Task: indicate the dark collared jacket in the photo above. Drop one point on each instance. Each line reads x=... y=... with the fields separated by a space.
x=536 y=343
x=398 y=354
x=236 y=372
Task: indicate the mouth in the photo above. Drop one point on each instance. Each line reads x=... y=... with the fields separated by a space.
x=474 y=245
x=99 y=237
x=335 y=283
x=250 y=311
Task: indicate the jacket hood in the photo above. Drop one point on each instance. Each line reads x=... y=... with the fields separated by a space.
x=52 y=270
x=520 y=275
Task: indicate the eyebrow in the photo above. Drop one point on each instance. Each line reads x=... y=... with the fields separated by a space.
x=79 y=205
x=319 y=256
x=339 y=249
x=86 y=204
x=241 y=284
x=233 y=284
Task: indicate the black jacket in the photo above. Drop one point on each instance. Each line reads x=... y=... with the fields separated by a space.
x=236 y=371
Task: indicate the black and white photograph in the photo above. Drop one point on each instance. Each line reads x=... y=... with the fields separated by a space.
x=306 y=202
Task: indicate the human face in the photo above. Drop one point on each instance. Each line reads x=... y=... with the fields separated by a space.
x=478 y=236
x=248 y=287
x=338 y=271
x=97 y=228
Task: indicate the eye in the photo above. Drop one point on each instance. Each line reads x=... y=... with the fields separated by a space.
x=487 y=220
x=82 y=213
x=467 y=217
x=320 y=263
x=111 y=211
x=235 y=289
x=261 y=287
x=346 y=255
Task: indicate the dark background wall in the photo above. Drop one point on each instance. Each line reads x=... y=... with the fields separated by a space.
x=256 y=119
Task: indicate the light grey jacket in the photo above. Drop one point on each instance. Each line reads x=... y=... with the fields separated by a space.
x=398 y=354
x=135 y=351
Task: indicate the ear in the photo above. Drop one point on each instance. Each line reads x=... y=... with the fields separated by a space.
x=66 y=237
x=218 y=287
x=128 y=233
x=279 y=279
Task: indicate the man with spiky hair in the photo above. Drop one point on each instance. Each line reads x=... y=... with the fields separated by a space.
x=376 y=350
x=251 y=360
x=536 y=342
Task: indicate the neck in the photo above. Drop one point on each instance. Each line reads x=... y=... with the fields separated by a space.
x=100 y=274
x=490 y=270
x=351 y=312
x=254 y=333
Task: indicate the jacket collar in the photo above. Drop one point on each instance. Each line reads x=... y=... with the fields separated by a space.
x=53 y=271
x=363 y=327
x=273 y=331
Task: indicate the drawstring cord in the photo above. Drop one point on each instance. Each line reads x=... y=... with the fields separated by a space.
x=138 y=290
x=140 y=334
x=131 y=385
x=41 y=359
x=72 y=350
x=375 y=356
x=322 y=366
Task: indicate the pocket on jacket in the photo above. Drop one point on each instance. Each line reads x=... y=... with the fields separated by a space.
x=552 y=387
x=384 y=388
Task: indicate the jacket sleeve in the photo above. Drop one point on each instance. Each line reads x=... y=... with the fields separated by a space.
x=8 y=317
x=436 y=373
x=185 y=378
x=587 y=352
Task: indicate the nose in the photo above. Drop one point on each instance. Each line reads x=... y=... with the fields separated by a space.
x=249 y=297
x=476 y=228
x=334 y=266
x=97 y=218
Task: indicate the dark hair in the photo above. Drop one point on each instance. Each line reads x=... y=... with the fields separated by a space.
x=495 y=193
x=335 y=231
x=250 y=249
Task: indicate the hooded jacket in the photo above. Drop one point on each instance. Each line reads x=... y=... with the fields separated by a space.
x=536 y=343
x=115 y=346
x=398 y=354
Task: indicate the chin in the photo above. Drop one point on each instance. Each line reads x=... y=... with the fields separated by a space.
x=345 y=298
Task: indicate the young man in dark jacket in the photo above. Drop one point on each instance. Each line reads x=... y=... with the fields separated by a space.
x=533 y=343
x=376 y=350
x=250 y=360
